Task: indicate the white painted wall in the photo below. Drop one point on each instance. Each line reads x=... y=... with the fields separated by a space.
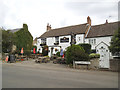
x=66 y=44
x=50 y=41
x=106 y=40
x=54 y=52
x=38 y=45
x=79 y=38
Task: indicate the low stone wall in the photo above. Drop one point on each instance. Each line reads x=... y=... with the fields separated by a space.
x=114 y=64
x=94 y=63
x=81 y=66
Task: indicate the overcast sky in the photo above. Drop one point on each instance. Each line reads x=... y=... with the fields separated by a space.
x=59 y=13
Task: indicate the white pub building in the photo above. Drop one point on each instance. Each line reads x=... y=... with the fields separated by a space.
x=99 y=36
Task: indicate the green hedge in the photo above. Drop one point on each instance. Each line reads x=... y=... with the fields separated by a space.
x=76 y=53
x=94 y=55
x=86 y=47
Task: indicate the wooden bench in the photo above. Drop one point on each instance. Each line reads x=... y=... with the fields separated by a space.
x=75 y=63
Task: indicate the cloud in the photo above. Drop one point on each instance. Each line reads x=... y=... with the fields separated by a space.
x=119 y=11
x=3 y=12
x=59 y=13
x=102 y=10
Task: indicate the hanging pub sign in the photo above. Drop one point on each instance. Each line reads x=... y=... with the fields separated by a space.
x=64 y=39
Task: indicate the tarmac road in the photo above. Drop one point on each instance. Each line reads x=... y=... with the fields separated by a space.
x=21 y=76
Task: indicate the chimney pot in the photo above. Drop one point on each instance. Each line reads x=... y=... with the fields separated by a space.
x=48 y=27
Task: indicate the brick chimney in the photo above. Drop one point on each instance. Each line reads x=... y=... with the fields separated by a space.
x=89 y=20
x=48 y=27
x=88 y=26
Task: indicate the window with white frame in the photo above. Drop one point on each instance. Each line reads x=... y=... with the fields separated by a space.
x=57 y=39
x=92 y=41
x=79 y=38
x=43 y=41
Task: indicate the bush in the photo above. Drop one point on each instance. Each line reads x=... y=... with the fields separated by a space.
x=86 y=47
x=115 y=43
x=27 y=52
x=94 y=55
x=76 y=53
x=58 y=54
x=93 y=51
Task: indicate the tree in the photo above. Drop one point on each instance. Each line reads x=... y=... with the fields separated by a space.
x=76 y=53
x=115 y=42
x=8 y=40
x=24 y=40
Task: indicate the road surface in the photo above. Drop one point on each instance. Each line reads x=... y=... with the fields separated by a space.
x=46 y=76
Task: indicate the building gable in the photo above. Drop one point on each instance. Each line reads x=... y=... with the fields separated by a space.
x=101 y=43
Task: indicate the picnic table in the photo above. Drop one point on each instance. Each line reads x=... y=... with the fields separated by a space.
x=20 y=57
x=42 y=60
